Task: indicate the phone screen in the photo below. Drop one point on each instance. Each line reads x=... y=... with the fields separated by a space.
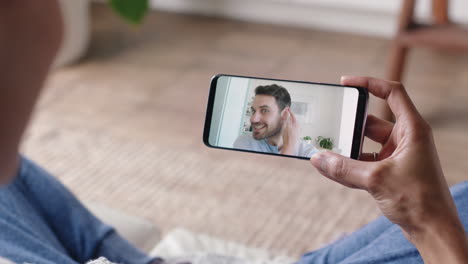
x=288 y=118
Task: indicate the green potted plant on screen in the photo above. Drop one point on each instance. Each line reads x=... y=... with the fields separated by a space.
x=307 y=139
x=325 y=143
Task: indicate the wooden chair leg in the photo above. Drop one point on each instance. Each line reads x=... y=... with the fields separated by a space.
x=440 y=12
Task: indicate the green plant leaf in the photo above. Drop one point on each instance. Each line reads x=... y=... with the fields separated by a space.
x=132 y=10
x=326 y=143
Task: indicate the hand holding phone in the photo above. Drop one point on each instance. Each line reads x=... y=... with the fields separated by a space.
x=406 y=180
x=287 y=118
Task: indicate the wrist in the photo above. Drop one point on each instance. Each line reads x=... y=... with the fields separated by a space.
x=441 y=241
x=288 y=149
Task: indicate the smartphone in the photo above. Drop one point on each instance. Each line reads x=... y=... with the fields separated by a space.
x=282 y=117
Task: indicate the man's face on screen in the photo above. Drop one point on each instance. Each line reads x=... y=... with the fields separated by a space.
x=266 y=117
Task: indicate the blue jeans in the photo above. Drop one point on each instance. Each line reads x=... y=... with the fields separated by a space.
x=42 y=222
x=380 y=241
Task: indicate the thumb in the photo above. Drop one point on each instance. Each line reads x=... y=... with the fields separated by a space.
x=344 y=170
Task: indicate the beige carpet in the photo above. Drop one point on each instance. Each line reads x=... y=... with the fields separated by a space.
x=124 y=126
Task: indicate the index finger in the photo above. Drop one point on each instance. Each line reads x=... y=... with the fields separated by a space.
x=393 y=92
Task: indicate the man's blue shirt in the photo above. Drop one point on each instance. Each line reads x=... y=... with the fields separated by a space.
x=247 y=142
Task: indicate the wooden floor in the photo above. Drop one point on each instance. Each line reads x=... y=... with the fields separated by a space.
x=123 y=127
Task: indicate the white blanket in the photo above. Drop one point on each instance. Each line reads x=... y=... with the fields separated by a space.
x=200 y=259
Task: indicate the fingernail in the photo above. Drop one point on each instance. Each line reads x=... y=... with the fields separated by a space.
x=317 y=160
x=343 y=78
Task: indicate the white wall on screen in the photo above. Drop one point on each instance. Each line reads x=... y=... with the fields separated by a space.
x=233 y=111
x=348 y=117
x=218 y=109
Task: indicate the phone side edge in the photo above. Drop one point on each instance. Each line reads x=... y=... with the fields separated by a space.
x=209 y=110
x=360 y=120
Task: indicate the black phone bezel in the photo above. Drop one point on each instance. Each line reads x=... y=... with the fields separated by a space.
x=359 y=124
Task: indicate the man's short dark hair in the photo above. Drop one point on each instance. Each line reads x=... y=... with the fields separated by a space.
x=283 y=99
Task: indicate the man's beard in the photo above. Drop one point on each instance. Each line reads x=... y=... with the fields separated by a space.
x=276 y=131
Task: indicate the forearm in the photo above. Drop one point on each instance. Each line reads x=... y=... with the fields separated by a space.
x=30 y=33
x=442 y=241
